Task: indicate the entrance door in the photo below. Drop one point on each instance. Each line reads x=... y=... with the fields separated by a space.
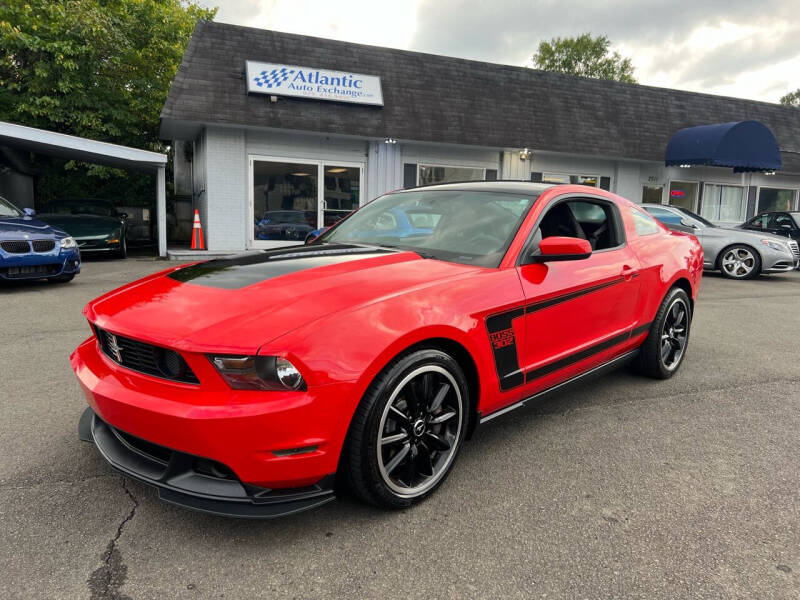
x=290 y=198
x=683 y=194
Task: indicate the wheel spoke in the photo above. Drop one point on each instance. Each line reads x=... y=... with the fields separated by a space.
x=427 y=387
x=666 y=348
x=393 y=439
x=398 y=458
x=446 y=416
x=440 y=396
x=397 y=414
x=436 y=443
x=424 y=463
x=410 y=470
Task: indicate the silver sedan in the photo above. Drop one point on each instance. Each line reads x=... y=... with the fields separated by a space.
x=738 y=253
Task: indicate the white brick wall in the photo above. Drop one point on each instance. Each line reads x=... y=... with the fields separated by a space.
x=226 y=189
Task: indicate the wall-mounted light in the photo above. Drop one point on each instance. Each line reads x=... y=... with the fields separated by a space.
x=524 y=154
x=685 y=166
x=769 y=172
x=390 y=141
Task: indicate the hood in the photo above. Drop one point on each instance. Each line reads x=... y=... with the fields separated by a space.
x=83 y=225
x=238 y=304
x=755 y=235
x=17 y=228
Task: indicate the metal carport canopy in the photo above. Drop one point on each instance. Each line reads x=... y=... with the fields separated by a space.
x=72 y=147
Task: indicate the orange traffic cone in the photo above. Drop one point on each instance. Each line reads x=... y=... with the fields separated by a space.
x=197 y=233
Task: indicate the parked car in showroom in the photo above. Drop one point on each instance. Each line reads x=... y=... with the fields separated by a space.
x=736 y=253
x=247 y=386
x=32 y=249
x=95 y=224
x=783 y=223
x=285 y=225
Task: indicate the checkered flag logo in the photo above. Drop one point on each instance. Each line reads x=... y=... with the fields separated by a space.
x=273 y=78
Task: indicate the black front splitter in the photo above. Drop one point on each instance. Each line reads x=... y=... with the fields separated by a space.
x=172 y=474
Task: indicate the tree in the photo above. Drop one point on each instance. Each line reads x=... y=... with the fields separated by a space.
x=94 y=68
x=584 y=55
x=792 y=99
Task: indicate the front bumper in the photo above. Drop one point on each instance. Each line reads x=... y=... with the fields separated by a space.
x=193 y=482
x=47 y=264
x=268 y=440
x=778 y=262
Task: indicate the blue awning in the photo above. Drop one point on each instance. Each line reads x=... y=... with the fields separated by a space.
x=744 y=146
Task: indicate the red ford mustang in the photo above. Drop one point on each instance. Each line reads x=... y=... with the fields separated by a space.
x=247 y=386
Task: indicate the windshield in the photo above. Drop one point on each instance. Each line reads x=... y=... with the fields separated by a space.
x=84 y=207
x=8 y=210
x=694 y=216
x=469 y=227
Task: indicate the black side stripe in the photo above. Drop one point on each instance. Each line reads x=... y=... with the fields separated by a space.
x=637 y=331
x=584 y=354
x=503 y=340
x=542 y=304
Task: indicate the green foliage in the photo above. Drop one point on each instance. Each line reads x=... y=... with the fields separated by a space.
x=792 y=99
x=94 y=68
x=584 y=55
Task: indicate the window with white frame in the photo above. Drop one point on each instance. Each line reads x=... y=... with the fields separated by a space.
x=726 y=203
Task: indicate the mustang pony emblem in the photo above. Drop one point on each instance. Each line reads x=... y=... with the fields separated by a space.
x=114 y=348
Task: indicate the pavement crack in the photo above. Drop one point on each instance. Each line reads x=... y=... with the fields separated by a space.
x=106 y=580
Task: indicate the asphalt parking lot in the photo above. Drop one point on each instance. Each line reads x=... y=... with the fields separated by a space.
x=623 y=488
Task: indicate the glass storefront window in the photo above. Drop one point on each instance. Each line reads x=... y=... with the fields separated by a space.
x=341 y=193
x=774 y=200
x=284 y=200
x=432 y=174
x=651 y=194
x=724 y=203
x=683 y=194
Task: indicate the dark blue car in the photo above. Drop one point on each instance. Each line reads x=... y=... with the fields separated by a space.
x=32 y=249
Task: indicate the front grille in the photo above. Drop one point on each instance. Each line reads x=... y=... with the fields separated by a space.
x=145 y=358
x=795 y=249
x=43 y=245
x=31 y=271
x=16 y=247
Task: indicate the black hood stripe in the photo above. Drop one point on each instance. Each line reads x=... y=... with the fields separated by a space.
x=248 y=269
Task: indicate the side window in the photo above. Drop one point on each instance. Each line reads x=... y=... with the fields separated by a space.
x=586 y=219
x=780 y=220
x=644 y=223
x=759 y=222
x=664 y=215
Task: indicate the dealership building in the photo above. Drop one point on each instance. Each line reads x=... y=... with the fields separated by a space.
x=277 y=134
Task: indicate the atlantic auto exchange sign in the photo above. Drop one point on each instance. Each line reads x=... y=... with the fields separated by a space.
x=306 y=82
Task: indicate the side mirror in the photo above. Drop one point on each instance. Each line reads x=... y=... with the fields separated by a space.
x=29 y=212
x=561 y=248
x=688 y=223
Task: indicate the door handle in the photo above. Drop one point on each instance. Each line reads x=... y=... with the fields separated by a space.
x=629 y=272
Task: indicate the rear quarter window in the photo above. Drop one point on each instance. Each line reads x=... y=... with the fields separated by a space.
x=643 y=223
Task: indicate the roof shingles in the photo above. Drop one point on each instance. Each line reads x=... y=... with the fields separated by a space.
x=433 y=98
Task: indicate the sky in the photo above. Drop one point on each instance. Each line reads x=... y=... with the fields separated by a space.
x=736 y=48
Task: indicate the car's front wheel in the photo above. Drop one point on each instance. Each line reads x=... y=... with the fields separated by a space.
x=740 y=262
x=408 y=429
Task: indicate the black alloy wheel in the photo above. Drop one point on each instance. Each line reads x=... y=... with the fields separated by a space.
x=664 y=349
x=408 y=429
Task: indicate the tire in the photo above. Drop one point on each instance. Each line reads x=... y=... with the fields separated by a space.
x=63 y=278
x=652 y=360
x=419 y=442
x=123 y=249
x=739 y=262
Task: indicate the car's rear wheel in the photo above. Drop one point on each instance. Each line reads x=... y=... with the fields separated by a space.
x=408 y=429
x=665 y=347
x=740 y=262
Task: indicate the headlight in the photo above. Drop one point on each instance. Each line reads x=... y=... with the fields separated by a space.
x=68 y=242
x=258 y=372
x=779 y=246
